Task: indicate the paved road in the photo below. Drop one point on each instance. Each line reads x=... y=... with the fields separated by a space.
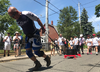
x=86 y=63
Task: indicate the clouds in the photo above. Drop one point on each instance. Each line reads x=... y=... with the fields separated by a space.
x=94 y=19
x=95 y=22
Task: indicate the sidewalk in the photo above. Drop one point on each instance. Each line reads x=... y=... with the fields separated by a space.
x=11 y=58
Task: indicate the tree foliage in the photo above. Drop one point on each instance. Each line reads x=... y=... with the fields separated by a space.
x=7 y=24
x=97 y=10
x=13 y=28
x=67 y=23
x=5 y=19
x=98 y=33
x=87 y=27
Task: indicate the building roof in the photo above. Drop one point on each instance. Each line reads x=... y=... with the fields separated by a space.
x=55 y=27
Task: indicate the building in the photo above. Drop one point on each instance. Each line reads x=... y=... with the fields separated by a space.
x=53 y=33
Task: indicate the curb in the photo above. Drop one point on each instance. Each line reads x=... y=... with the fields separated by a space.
x=18 y=58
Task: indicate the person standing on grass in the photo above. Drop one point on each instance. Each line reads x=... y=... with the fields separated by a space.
x=20 y=46
x=16 y=40
x=89 y=44
x=26 y=19
x=7 y=44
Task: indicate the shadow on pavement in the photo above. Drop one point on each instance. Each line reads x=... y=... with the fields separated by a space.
x=41 y=69
x=93 y=65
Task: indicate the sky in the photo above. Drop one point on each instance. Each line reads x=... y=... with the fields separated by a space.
x=40 y=11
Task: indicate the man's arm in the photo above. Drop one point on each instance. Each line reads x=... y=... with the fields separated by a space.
x=33 y=17
x=5 y=39
x=40 y=23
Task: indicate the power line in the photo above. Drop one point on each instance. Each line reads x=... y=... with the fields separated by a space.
x=49 y=15
x=74 y=1
x=88 y=13
x=90 y=2
x=54 y=6
x=45 y=6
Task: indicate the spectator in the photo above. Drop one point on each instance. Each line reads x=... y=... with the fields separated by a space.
x=89 y=44
x=71 y=42
x=95 y=41
x=52 y=48
x=20 y=47
x=56 y=44
x=65 y=42
x=75 y=41
x=81 y=42
x=16 y=40
x=99 y=43
x=7 y=44
x=61 y=45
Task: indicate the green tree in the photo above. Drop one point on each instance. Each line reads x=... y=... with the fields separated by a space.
x=98 y=33
x=67 y=24
x=97 y=10
x=13 y=28
x=5 y=19
x=87 y=28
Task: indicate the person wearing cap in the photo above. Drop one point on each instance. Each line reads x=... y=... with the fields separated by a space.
x=7 y=44
x=75 y=42
x=25 y=20
x=89 y=44
x=95 y=41
x=16 y=40
x=81 y=42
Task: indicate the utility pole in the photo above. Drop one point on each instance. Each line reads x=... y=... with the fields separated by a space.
x=79 y=17
x=46 y=25
x=98 y=27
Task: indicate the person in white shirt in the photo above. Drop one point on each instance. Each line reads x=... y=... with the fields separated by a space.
x=60 y=44
x=71 y=42
x=89 y=44
x=76 y=43
x=95 y=41
x=16 y=40
x=99 y=42
x=81 y=42
x=7 y=44
x=56 y=44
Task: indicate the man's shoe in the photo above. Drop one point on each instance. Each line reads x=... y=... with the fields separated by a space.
x=91 y=53
x=82 y=53
x=8 y=55
x=47 y=59
x=37 y=65
x=4 y=55
x=96 y=53
x=87 y=53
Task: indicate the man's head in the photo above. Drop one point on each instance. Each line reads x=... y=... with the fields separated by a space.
x=88 y=36
x=81 y=35
x=93 y=35
x=14 y=13
x=71 y=38
x=60 y=35
x=8 y=34
x=75 y=36
x=17 y=33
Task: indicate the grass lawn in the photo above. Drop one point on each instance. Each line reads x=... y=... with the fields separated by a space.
x=12 y=51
